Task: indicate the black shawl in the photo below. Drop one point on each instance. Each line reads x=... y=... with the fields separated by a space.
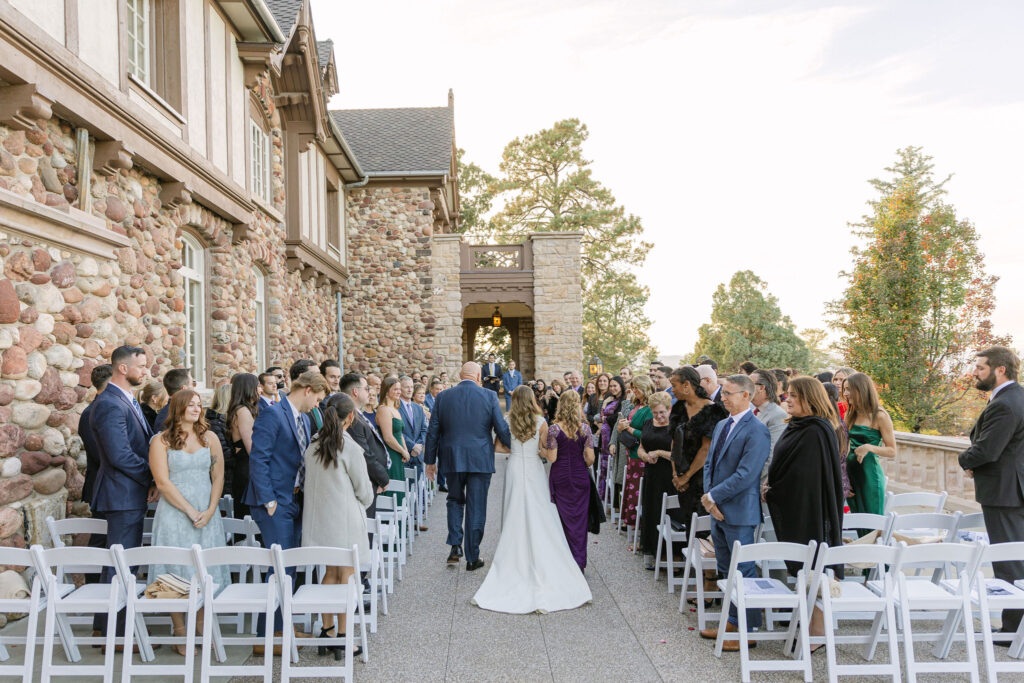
x=805 y=495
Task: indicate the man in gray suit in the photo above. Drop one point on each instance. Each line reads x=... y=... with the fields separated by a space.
x=995 y=460
x=768 y=411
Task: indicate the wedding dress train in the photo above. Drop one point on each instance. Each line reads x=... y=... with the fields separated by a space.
x=533 y=569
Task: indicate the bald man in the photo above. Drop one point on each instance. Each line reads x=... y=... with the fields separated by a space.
x=709 y=380
x=460 y=444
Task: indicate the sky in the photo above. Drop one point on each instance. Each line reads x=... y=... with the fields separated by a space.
x=742 y=133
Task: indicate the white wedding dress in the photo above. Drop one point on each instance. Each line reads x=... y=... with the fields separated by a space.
x=533 y=569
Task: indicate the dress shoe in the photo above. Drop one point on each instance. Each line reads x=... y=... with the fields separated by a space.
x=260 y=650
x=727 y=645
x=442 y=489
x=475 y=564
x=455 y=555
x=423 y=527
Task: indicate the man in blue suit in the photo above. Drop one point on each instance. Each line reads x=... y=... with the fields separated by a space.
x=510 y=381
x=732 y=477
x=120 y=435
x=492 y=374
x=459 y=443
x=414 y=427
x=280 y=436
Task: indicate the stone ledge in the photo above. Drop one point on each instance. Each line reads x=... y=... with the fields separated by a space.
x=70 y=229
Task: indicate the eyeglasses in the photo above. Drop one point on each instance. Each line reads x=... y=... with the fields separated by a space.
x=731 y=393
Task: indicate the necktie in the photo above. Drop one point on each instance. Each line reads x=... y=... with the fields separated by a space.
x=720 y=446
x=300 y=475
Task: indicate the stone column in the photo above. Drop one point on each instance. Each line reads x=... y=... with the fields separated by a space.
x=445 y=267
x=558 y=303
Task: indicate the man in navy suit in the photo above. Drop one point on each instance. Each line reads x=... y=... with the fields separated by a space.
x=414 y=426
x=174 y=381
x=732 y=477
x=459 y=442
x=124 y=484
x=99 y=377
x=509 y=382
x=280 y=436
x=492 y=374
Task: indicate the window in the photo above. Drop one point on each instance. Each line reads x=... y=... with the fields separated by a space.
x=139 y=40
x=194 y=282
x=259 y=171
x=261 y=318
x=334 y=222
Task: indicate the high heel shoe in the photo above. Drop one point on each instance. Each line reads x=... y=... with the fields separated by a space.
x=339 y=652
x=324 y=649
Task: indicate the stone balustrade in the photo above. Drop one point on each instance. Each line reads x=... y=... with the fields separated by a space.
x=929 y=463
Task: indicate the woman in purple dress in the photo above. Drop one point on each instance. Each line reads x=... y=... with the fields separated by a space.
x=571 y=453
x=609 y=416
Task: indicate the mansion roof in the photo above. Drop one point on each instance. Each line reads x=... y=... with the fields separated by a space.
x=285 y=13
x=406 y=141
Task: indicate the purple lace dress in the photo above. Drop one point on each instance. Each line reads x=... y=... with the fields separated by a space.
x=569 y=482
x=607 y=425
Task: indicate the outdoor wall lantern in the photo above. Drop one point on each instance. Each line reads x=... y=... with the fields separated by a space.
x=496 y=318
x=596 y=366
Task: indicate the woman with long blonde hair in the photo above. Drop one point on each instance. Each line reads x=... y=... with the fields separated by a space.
x=571 y=443
x=533 y=569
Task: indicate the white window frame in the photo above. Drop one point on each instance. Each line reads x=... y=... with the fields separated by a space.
x=259 y=162
x=193 y=273
x=261 y=318
x=139 y=40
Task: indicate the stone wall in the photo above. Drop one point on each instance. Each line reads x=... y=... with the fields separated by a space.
x=446 y=267
x=62 y=313
x=527 y=363
x=558 y=304
x=389 y=321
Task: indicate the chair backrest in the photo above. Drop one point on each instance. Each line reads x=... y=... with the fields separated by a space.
x=410 y=474
x=241 y=527
x=877 y=556
x=972 y=528
x=313 y=555
x=148 y=555
x=924 y=499
x=957 y=553
x=73 y=525
x=698 y=524
x=927 y=522
x=386 y=504
x=867 y=520
x=668 y=503
x=16 y=557
x=400 y=485
x=204 y=558
x=226 y=505
x=785 y=552
x=84 y=559
x=1003 y=552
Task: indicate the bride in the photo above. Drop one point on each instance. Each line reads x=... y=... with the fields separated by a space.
x=533 y=569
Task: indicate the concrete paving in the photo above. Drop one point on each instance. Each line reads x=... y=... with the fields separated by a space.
x=632 y=631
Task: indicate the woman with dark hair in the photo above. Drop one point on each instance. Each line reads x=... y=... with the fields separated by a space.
x=607 y=418
x=243 y=407
x=591 y=405
x=551 y=399
x=871 y=437
x=832 y=391
x=188 y=470
x=335 y=498
x=692 y=428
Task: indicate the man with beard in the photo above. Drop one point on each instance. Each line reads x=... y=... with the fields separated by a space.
x=995 y=460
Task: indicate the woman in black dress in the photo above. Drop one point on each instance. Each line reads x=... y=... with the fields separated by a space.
x=694 y=423
x=656 y=451
x=551 y=399
x=243 y=408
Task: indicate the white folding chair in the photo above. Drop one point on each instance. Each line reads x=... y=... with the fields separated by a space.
x=666 y=537
x=32 y=605
x=256 y=597
x=319 y=598
x=933 y=502
x=853 y=602
x=64 y=599
x=925 y=528
x=374 y=568
x=622 y=497
x=242 y=533
x=403 y=516
x=71 y=526
x=147 y=523
x=226 y=505
x=388 y=513
x=765 y=592
x=998 y=595
x=412 y=501
x=972 y=528
x=854 y=522
x=138 y=605
x=636 y=520
x=698 y=560
x=916 y=595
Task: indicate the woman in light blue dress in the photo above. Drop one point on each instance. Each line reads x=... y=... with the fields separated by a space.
x=188 y=469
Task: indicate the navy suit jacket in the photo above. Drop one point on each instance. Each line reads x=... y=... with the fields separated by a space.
x=275 y=458
x=92 y=454
x=492 y=378
x=415 y=430
x=511 y=380
x=733 y=478
x=122 y=441
x=459 y=435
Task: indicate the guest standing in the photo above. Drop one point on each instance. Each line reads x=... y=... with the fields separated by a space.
x=492 y=374
x=608 y=417
x=732 y=477
x=280 y=436
x=995 y=459
x=392 y=428
x=619 y=451
x=99 y=377
x=338 y=491
x=188 y=468
x=656 y=452
x=153 y=398
x=804 y=491
x=174 y=381
x=569 y=477
x=509 y=382
x=629 y=428
x=215 y=420
x=839 y=379
x=268 y=388
x=550 y=403
x=368 y=438
x=244 y=406
x=435 y=389
x=591 y=405
x=768 y=410
x=124 y=484
x=871 y=438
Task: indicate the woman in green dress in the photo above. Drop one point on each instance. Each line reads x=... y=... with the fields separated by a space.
x=389 y=422
x=871 y=438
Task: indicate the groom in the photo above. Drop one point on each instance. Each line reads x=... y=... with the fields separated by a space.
x=460 y=444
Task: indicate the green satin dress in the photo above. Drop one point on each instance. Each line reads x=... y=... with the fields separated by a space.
x=867 y=480
x=397 y=469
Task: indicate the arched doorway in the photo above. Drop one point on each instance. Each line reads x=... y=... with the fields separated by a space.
x=512 y=341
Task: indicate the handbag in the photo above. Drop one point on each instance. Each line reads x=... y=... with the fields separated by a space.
x=682 y=462
x=595 y=508
x=627 y=439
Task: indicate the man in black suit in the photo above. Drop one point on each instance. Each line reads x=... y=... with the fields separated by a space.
x=995 y=460
x=376 y=454
x=492 y=374
x=99 y=377
x=174 y=381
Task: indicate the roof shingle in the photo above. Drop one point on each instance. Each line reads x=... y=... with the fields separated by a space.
x=390 y=141
x=285 y=12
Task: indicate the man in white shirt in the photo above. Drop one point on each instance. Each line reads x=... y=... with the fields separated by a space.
x=268 y=389
x=709 y=380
